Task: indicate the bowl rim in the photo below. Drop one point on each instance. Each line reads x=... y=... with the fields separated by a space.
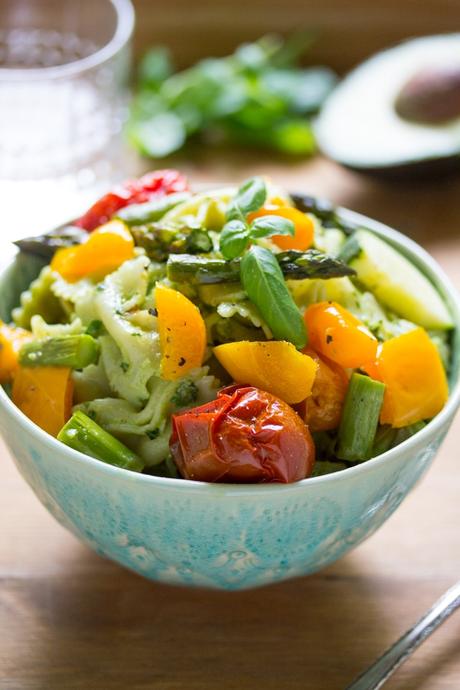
x=411 y=249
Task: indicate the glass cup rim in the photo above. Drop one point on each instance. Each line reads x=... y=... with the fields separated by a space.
x=123 y=32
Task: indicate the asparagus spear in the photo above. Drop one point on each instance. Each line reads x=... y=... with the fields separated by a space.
x=324 y=210
x=83 y=434
x=160 y=241
x=295 y=265
x=388 y=437
x=74 y=351
x=46 y=245
x=150 y=211
x=200 y=270
x=360 y=418
x=406 y=432
x=384 y=439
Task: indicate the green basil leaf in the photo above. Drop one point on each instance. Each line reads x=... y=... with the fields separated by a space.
x=234 y=239
x=264 y=284
x=249 y=198
x=266 y=226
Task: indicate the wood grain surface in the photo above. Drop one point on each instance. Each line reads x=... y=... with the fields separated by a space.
x=70 y=620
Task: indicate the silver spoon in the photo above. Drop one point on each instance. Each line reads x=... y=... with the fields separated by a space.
x=377 y=674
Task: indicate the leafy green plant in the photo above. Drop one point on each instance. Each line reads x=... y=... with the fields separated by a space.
x=257 y=96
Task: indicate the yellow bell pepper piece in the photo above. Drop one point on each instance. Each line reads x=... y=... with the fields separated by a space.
x=182 y=333
x=103 y=252
x=412 y=371
x=45 y=395
x=11 y=340
x=274 y=366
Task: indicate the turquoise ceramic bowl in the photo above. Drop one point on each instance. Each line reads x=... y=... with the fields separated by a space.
x=226 y=536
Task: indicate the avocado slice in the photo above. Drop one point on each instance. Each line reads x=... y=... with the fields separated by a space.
x=397 y=283
x=399 y=111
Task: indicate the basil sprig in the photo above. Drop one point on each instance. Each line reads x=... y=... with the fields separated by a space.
x=236 y=235
x=264 y=284
x=237 y=232
x=249 y=198
x=260 y=272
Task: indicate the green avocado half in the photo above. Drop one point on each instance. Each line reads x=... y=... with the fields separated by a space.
x=399 y=111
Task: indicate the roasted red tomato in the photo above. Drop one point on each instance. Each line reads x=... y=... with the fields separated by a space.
x=132 y=192
x=246 y=435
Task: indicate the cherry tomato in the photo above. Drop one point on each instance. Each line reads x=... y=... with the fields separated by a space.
x=304 y=228
x=246 y=435
x=322 y=410
x=138 y=191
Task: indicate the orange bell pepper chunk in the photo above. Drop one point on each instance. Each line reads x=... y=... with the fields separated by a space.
x=274 y=366
x=337 y=334
x=65 y=262
x=11 y=340
x=322 y=410
x=182 y=333
x=103 y=252
x=45 y=395
x=372 y=368
x=304 y=228
x=415 y=381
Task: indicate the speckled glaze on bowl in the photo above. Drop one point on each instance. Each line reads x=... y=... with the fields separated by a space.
x=225 y=536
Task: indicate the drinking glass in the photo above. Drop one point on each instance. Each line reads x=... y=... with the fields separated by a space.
x=64 y=70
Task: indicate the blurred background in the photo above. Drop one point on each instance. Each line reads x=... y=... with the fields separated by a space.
x=66 y=88
x=348 y=31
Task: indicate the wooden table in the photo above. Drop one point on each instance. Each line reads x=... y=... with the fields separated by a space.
x=72 y=621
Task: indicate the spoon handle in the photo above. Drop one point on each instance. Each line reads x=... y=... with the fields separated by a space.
x=376 y=675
